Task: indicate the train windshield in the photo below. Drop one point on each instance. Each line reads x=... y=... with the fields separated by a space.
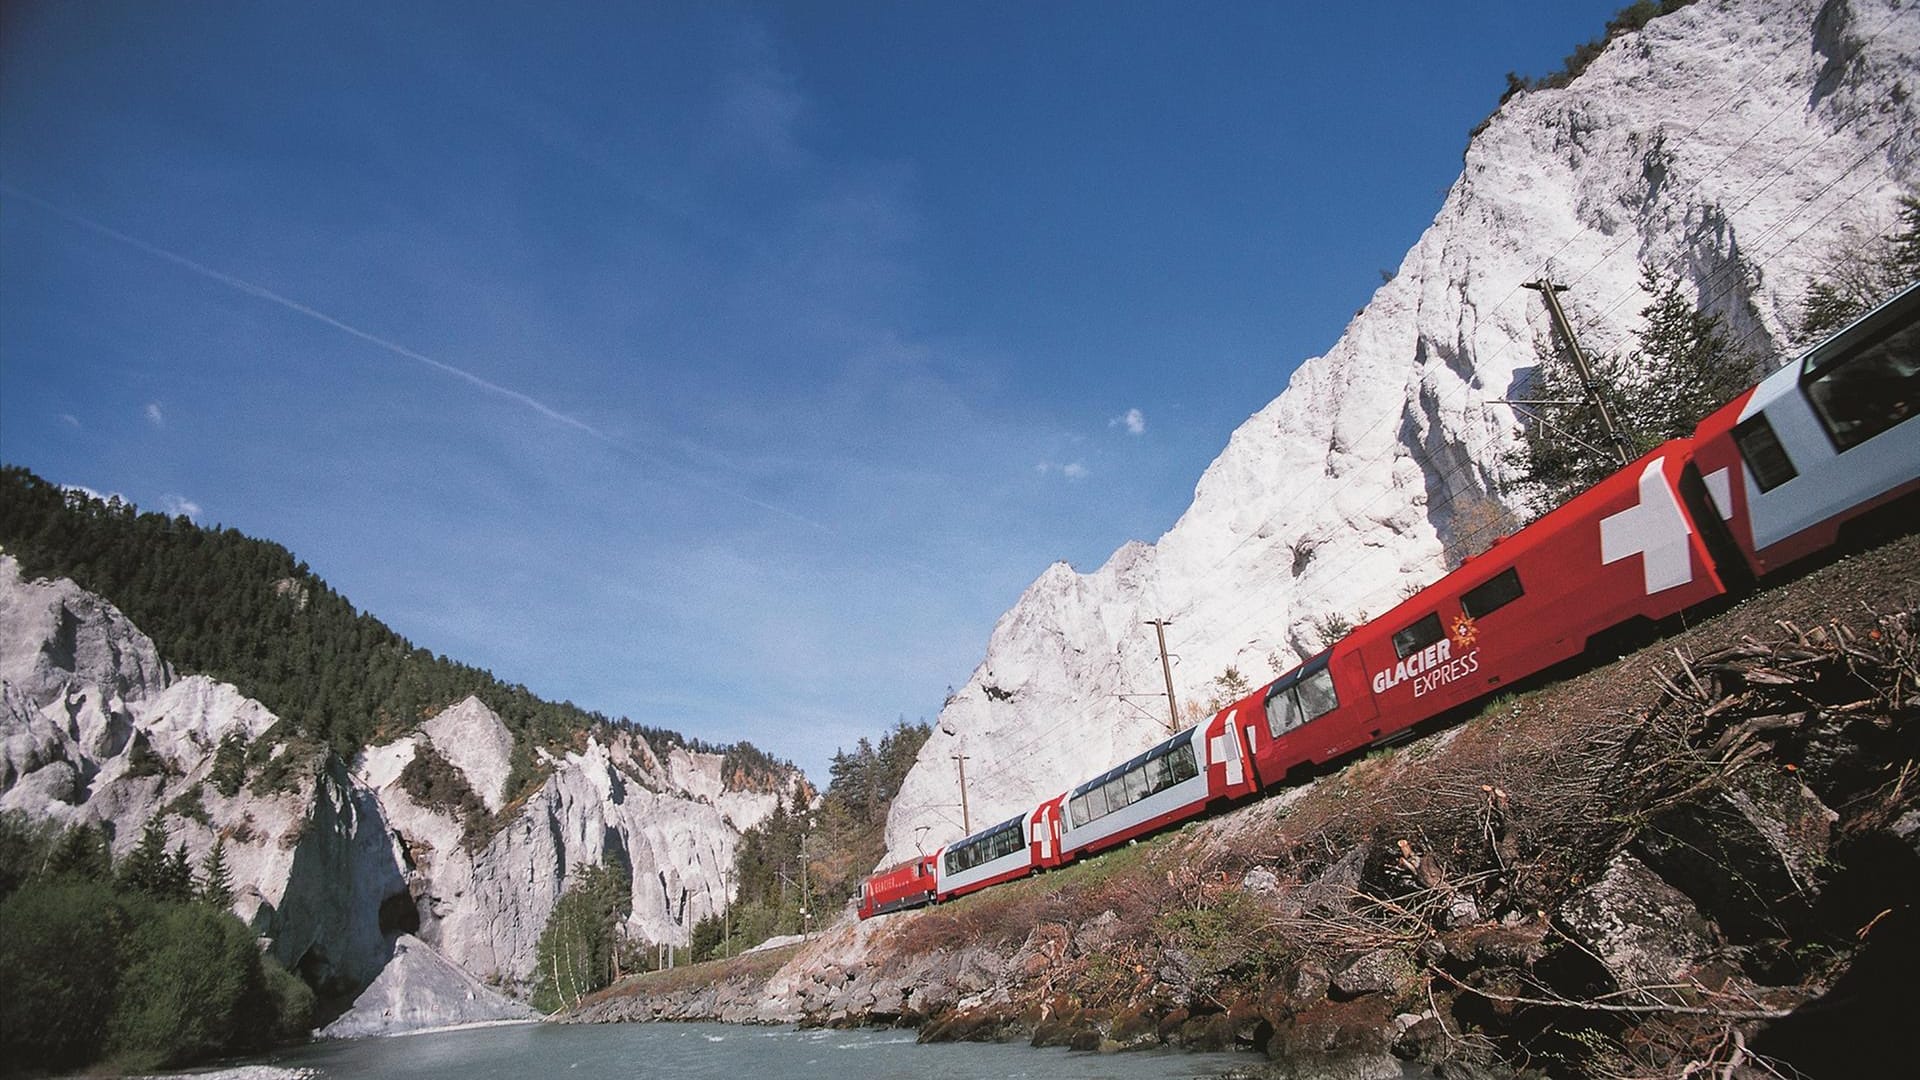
x=1873 y=385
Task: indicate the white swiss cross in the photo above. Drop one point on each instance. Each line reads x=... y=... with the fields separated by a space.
x=1656 y=529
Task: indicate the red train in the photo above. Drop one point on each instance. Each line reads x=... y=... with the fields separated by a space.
x=1766 y=480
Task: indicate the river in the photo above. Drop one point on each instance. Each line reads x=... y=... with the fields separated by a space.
x=723 y=1052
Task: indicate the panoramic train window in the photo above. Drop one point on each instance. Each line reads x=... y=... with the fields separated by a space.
x=1418 y=636
x=1767 y=461
x=1493 y=594
x=1310 y=698
x=1159 y=775
x=1184 y=767
x=1005 y=839
x=1869 y=389
x=1317 y=697
x=1170 y=763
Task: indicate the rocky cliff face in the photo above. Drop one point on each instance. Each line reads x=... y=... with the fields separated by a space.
x=333 y=860
x=1736 y=144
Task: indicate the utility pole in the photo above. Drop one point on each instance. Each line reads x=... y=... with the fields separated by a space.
x=966 y=823
x=1550 y=292
x=1166 y=670
x=806 y=891
x=726 y=916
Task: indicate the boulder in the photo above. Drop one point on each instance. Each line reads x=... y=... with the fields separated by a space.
x=1749 y=854
x=1641 y=929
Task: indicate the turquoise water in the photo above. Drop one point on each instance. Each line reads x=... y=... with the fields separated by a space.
x=725 y=1052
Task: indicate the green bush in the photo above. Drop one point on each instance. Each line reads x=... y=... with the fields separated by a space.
x=193 y=988
x=94 y=968
x=60 y=950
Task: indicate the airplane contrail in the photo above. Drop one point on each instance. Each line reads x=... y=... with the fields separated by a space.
x=261 y=292
x=264 y=293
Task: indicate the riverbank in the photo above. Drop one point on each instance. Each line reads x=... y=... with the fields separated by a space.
x=1698 y=855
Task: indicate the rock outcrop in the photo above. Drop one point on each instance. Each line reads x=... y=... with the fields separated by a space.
x=419 y=988
x=333 y=862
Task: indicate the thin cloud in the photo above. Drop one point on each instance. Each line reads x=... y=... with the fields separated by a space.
x=180 y=506
x=1072 y=470
x=70 y=420
x=1133 y=420
x=154 y=415
x=263 y=293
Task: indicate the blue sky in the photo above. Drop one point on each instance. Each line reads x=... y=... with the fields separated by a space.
x=729 y=367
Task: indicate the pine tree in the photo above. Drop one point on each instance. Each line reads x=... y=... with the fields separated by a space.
x=1860 y=276
x=81 y=854
x=176 y=878
x=1685 y=365
x=216 y=883
x=144 y=870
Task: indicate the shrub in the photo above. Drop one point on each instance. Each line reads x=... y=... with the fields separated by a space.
x=192 y=988
x=60 y=947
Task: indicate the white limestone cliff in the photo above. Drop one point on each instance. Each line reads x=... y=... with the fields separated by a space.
x=337 y=863
x=1736 y=144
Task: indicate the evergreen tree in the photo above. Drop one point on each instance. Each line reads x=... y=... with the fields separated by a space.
x=176 y=877
x=144 y=870
x=579 y=950
x=1686 y=365
x=81 y=854
x=216 y=883
x=1862 y=275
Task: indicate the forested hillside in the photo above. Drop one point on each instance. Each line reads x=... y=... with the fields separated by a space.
x=248 y=612
x=812 y=858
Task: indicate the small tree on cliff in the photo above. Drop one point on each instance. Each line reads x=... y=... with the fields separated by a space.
x=216 y=883
x=1860 y=275
x=1686 y=365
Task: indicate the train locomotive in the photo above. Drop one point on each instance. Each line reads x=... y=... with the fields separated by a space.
x=1769 y=479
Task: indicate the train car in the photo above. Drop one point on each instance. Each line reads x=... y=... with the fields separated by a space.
x=1043 y=833
x=1820 y=442
x=1169 y=783
x=1624 y=551
x=992 y=855
x=907 y=885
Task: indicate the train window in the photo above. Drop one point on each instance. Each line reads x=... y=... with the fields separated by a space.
x=1418 y=636
x=1283 y=713
x=1870 y=389
x=1004 y=839
x=1091 y=805
x=1159 y=774
x=1767 y=460
x=1317 y=696
x=1493 y=594
x=1182 y=762
x=1136 y=785
x=1117 y=794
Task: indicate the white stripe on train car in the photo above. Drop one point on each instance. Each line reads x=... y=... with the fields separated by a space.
x=1720 y=489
